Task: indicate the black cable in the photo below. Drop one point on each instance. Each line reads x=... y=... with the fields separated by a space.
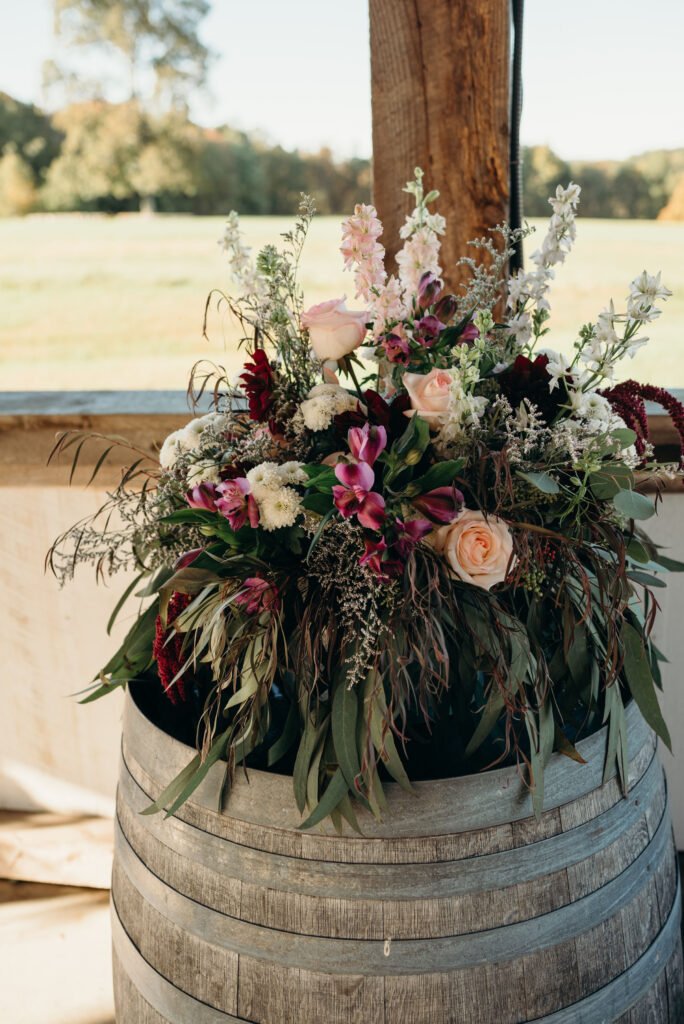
x=515 y=214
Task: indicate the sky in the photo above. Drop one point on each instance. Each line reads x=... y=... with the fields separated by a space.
x=603 y=79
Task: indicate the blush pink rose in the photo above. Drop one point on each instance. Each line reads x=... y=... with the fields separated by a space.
x=429 y=394
x=477 y=550
x=334 y=330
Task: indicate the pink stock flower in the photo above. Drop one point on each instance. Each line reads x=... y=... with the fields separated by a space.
x=362 y=251
x=441 y=505
x=237 y=504
x=258 y=596
x=202 y=496
x=355 y=496
x=367 y=442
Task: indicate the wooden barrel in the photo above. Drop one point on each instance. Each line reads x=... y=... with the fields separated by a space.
x=460 y=908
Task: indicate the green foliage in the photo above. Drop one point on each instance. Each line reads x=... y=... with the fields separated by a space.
x=157 y=34
x=17 y=190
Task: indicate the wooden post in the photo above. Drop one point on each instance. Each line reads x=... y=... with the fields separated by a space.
x=440 y=93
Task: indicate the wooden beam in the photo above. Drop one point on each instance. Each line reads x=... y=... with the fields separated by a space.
x=440 y=95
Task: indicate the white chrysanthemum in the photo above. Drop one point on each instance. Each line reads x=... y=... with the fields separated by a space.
x=292 y=473
x=171 y=449
x=323 y=403
x=278 y=508
x=317 y=413
x=264 y=477
x=215 y=421
x=203 y=471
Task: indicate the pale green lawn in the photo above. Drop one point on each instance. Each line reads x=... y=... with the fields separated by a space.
x=89 y=302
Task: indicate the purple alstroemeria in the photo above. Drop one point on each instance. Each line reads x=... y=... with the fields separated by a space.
x=202 y=496
x=356 y=497
x=441 y=505
x=367 y=442
x=427 y=330
x=471 y=333
x=429 y=290
x=446 y=307
x=375 y=557
x=237 y=504
x=396 y=348
x=409 y=533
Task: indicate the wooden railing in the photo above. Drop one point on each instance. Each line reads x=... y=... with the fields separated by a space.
x=54 y=753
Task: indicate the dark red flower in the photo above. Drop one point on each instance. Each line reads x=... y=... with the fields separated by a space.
x=167 y=649
x=530 y=379
x=257 y=382
x=628 y=399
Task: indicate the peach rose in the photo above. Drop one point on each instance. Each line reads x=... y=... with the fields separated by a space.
x=334 y=330
x=477 y=550
x=429 y=394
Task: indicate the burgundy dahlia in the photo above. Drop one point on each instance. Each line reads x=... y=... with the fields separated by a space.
x=529 y=379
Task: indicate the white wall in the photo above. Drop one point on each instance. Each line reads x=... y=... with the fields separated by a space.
x=668 y=529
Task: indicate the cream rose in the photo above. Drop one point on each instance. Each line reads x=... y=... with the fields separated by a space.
x=477 y=550
x=430 y=394
x=334 y=330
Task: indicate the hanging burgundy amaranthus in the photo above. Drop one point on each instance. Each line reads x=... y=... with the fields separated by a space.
x=629 y=398
x=167 y=649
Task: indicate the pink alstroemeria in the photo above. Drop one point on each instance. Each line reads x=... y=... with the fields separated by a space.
x=356 y=497
x=237 y=504
x=187 y=559
x=367 y=442
x=375 y=558
x=258 y=596
x=429 y=290
x=442 y=505
x=409 y=534
x=202 y=496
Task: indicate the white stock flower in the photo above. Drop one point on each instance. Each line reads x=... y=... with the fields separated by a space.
x=420 y=254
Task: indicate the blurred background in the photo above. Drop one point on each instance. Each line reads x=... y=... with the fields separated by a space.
x=128 y=130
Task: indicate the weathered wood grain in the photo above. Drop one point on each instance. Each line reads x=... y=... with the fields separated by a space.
x=237 y=916
x=440 y=95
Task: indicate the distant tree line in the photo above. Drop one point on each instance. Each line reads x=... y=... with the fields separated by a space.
x=113 y=157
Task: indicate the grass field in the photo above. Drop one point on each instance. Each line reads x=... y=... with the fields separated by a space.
x=90 y=302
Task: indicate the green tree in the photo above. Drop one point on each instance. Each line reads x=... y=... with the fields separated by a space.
x=542 y=171
x=115 y=155
x=17 y=190
x=31 y=132
x=161 y=35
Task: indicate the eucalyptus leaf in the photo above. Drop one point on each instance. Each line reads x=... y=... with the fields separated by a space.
x=345 y=710
x=640 y=682
x=542 y=481
x=334 y=793
x=634 y=505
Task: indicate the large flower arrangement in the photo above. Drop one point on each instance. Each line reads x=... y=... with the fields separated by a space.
x=424 y=568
